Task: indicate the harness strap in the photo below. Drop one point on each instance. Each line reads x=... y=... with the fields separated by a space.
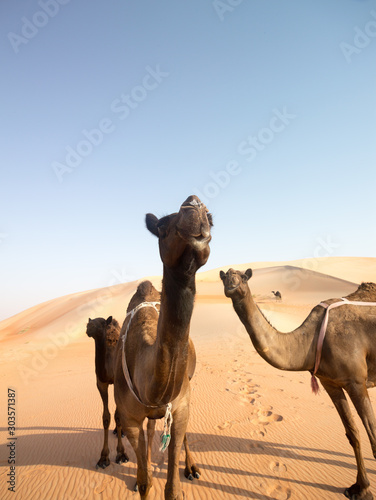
x=320 y=341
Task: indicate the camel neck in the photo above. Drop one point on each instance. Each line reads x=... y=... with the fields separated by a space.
x=177 y=298
x=293 y=351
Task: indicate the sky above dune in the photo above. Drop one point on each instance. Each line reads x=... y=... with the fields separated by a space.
x=264 y=109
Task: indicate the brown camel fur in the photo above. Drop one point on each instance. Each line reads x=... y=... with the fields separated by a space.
x=159 y=354
x=105 y=333
x=348 y=359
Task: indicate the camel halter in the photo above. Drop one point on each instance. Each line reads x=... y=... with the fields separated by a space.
x=166 y=434
x=320 y=341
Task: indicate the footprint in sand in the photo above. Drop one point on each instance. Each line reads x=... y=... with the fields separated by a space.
x=278 y=492
x=265 y=416
x=277 y=467
x=226 y=425
x=255 y=445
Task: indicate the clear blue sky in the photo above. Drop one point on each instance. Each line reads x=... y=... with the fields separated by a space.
x=265 y=108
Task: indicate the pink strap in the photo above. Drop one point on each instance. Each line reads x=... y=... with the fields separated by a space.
x=322 y=333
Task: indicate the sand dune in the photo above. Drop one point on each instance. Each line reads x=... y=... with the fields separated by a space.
x=256 y=432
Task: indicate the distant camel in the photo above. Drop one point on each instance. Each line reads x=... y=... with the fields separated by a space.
x=105 y=333
x=156 y=358
x=278 y=295
x=348 y=357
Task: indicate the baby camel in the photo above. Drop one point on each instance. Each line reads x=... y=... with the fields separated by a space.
x=105 y=333
x=348 y=358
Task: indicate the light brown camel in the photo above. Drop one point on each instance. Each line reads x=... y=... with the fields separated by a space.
x=105 y=333
x=348 y=360
x=158 y=353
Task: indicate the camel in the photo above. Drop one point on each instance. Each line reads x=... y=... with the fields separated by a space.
x=105 y=333
x=277 y=295
x=156 y=358
x=348 y=357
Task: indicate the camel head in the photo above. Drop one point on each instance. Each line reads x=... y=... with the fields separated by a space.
x=97 y=325
x=183 y=236
x=235 y=282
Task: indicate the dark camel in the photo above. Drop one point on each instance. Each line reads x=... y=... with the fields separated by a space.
x=277 y=295
x=105 y=333
x=348 y=360
x=158 y=351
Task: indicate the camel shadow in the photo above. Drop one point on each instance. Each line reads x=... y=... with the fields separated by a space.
x=80 y=448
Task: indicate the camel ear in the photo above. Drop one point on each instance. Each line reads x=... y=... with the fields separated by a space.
x=152 y=224
x=108 y=320
x=222 y=275
x=210 y=219
x=90 y=320
x=248 y=273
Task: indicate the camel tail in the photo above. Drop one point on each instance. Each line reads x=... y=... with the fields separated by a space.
x=314 y=385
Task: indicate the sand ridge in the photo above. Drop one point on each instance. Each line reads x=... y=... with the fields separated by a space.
x=255 y=431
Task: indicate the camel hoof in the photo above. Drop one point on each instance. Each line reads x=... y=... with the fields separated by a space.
x=122 y=458
x=355 y=493
x=103 y=463
x=192 y=472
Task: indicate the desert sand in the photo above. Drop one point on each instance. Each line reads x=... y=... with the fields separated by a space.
x=255 y=431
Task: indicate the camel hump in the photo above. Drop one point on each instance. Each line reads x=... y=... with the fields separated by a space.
x=112 y=333
x=366 y=292
x=146 y=292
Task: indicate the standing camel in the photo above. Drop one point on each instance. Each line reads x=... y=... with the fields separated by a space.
x=348 y=357
x=277 y=295
x=156 y=358
x=105 y=333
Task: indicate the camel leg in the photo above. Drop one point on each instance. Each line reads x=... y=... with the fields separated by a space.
x=191 y=470
x=136 y=436
x=150 y=434
x=121 y=456
x=359 y=490
x=104 y=461
x=360 y=398
x=178 y=429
